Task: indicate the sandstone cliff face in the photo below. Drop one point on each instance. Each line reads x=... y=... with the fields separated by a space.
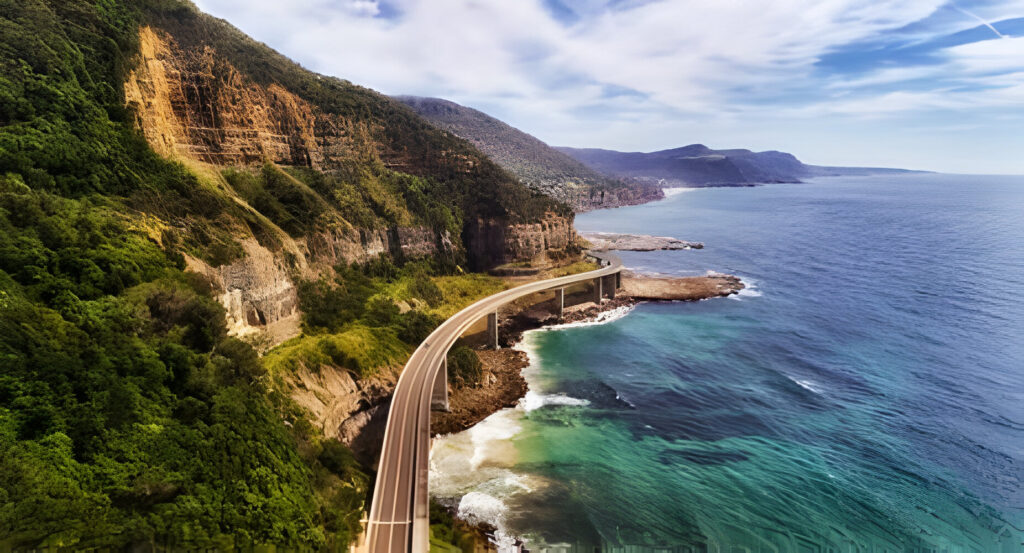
x=330 y=247
x=195 y=105
x=496 y=242
x=257 y=293
x=618 y=197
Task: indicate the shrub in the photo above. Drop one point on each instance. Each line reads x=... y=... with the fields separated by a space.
x=464 y=367
x=414 y=326
x=424 y=288
x=381 y=311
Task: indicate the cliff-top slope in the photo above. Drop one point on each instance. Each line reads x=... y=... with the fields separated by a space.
x=533 y=162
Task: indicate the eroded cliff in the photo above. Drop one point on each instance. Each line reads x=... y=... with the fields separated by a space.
x=192 y=104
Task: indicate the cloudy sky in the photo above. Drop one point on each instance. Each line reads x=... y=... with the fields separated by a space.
x=927 y=84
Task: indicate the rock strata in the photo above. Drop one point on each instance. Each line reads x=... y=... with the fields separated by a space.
x=494 y=242
x=604 y=241
x=681 y=288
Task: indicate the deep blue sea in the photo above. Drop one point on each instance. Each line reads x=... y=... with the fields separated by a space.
x=865 y=394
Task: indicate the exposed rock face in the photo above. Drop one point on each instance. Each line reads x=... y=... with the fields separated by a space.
x=195 y=105
x=694 y=288
x=604 y=241
x=496 y=242
x=256 y=292
x=330 y=247
x=354 y=411
x=502 y=386
x=634 y=194
x=192 y=104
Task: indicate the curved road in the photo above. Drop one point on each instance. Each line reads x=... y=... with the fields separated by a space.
x=399 y=517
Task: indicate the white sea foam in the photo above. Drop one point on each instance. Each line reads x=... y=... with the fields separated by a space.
x=809 y=386
x=749 y=290
x=669 y=192
x=476 y=465
x=533 y=400
x=603 y=317
x=479 y=507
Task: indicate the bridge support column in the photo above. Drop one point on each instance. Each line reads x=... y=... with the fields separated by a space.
x=560 y=302
x=598 y=292
x=618 y=280
x=439 y=398
x=492 y=330
x=611 y=286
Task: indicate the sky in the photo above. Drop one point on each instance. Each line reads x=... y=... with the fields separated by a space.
x=922 y=84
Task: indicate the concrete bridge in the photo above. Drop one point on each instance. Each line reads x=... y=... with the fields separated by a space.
x=399 y=516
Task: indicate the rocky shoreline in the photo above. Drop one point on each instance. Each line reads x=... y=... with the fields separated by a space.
x=504 y=384
x=605 y=241
x=660 y=288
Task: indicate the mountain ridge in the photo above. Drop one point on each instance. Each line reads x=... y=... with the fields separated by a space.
x=532 y=161
x=699 y=165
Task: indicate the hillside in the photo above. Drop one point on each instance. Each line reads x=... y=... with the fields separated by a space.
x=536 y=164
x=698 y=165
x=175 y=199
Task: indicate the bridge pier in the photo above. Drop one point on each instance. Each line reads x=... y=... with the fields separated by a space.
x=492 y=330
x=611 y=286
x=439 y=397
x=598 y=292
x=618 y=280
x=560 y=302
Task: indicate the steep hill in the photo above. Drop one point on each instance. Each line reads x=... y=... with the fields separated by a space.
x=174 y=198
x=536 y=164
x=698 y=165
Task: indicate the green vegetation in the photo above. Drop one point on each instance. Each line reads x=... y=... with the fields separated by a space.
x=127 y=415
x=354 y=321
x=575 y=268
x=440 y=178
x=460 y=291
x=359 y=349
x=133 y=417
x=464 y=367
x=448 y=535
x=533 y=162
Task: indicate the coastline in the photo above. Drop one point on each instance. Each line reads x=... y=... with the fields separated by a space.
x=507 y=390
x=503 y=385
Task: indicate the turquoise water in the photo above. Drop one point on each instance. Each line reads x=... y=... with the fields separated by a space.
x=867 y=394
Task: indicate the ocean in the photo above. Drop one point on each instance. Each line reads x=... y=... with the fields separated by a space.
x=865 y=393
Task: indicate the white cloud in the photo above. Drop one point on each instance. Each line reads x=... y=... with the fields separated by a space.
x=1006 y=54
x=692 y=62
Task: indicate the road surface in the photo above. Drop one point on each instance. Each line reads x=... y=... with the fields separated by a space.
x=399 y=515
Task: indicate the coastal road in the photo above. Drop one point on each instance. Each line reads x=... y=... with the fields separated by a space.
x=399 y=514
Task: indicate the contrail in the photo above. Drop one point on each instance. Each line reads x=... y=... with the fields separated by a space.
x=983 y=22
